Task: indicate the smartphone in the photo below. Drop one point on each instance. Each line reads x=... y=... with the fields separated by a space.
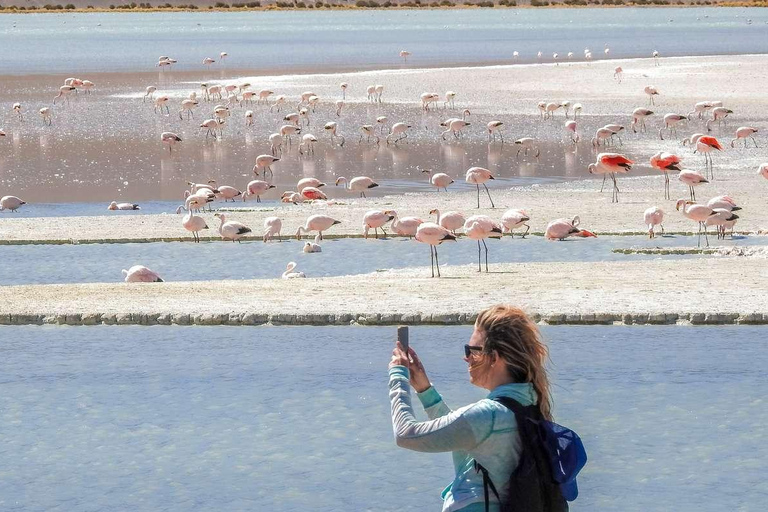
x=402 y=336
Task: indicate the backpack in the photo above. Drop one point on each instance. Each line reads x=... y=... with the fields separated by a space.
x=550 y=458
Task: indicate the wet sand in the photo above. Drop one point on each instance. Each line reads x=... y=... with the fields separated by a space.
x=606 y=292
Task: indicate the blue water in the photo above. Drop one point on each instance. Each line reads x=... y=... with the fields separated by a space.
x=245 y=419
x=182 y=261
x=89 y=42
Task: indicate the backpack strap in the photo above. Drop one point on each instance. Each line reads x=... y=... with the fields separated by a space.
x=487 y=482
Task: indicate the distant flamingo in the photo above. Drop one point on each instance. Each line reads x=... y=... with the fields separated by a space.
x=313 y=194
x=141 y=274
x=344 y=86
x=513 y=219
x=763 y=170
x=706 y=145
x=357 y=184
x=114 y=205
x=433 y=235
x=723 y=219
x=211 y=126
x=449 y=220
x=331 y=128
x=638 y=118
x=263 y=163
x=272 y=227
x=150 y=93
x=692 y=179
x=449 y=97
x=666 y=162
x=188 y=106
x=719 y=114
x=208 y=61
x=276 y=144
x=651 y=91
x=478 y=176
x=47 y=115
x=17 y=111
x=653 y=216
x=670 y=124
x=398 y=130
x=368 y=131
x=264 y=95
x=526 y=144
x=376 y=219
x=64 y=92
x=618 y=73
x=439 y=179
x=313 y=247
x=655 y=57
x=169 y=139
x=308 y=182
x=495 y=127
x=571 y=127
x=231 y=230
x=745 y=132
x=317 y=223
x=480 y=227
x=404 y=54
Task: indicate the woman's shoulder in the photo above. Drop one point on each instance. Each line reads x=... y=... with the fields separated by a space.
x=487 y=408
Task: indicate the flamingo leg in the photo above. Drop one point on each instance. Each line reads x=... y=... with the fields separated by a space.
x=666 y=186
x=479 y=268
x=489 y=196
x=527 y=229
x=603 y=185
x=486 y=256
x=478 y=194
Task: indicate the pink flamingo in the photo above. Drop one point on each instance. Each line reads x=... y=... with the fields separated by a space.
x=495 y=127
x=272 y=227
x=570 y=126
x=763 y=171
x=692 y=179
x=228 y=193
x=169 y=139
x=64 y=92
x=513 y=219
x=11 y=203
x=638 y=118
x=357 y=184
x=263 y=162
x=194 y=224
x=257 y=188
x=313 y=194
x=560 y=229
x=723 y=219
x=439 y=179
x=653 y=216
x=449 y=220
x=406 y=226
x=666 y=162
x=141 y=274
x=651 y=91
x=670 y=124
x=698 y=213
x=705 y=145
x=375 y=219
x=478 y=176
x=317 y=223
x=433 y=235
x=745 y=132
x=230 y=229
x=480 y=227
x=308 y=182
x=611 y=163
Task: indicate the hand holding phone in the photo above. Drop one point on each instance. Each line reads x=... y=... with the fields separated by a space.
x=402 y=337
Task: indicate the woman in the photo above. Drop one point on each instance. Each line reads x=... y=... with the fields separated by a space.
x=506 y=356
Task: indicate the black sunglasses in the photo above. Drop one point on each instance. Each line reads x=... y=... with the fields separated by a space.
x=469 y=348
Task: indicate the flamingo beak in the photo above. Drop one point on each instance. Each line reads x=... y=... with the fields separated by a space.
x=586 y=234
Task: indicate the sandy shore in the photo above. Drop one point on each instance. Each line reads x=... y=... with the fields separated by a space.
x=630 y=292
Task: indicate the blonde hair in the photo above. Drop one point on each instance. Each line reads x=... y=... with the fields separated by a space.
x=515 y=338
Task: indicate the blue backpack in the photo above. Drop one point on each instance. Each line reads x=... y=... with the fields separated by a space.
x=550 y=458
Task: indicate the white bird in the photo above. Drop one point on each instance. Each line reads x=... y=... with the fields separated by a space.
x=313 y=247
x=12 y=203
x=141 y=274
x=231 y=230
x=290 y=274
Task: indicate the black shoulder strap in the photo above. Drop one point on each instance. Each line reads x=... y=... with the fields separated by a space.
x=487 y=482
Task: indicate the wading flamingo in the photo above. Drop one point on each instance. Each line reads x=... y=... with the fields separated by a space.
x=169 y=139
x=638 y=118
x=706 y=145
x=231 y=230
x=478 y=176
x=495 y=127
x=264 y=163
x=433 y=235
x=670 y=124
x=272 y=227
x=480 y=227
x=651 y=91
x=407 y=226
x=513 y=219
x=653 y=216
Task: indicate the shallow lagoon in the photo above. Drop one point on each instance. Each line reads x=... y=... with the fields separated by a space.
x=185 y=261
x=195 y=418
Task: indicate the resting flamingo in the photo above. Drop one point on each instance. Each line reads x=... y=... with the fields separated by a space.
x=478 y=176
x=313 y=247
x=290 y=273
x=653 y=216
x=405 y=226
x=666 y=162
x=560 y=229
x=480 y=227
x=141 y=274
x=114 y=205
x=433 y=235
x=230 y=229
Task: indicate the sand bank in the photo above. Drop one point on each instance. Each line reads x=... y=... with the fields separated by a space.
x=603 y=293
